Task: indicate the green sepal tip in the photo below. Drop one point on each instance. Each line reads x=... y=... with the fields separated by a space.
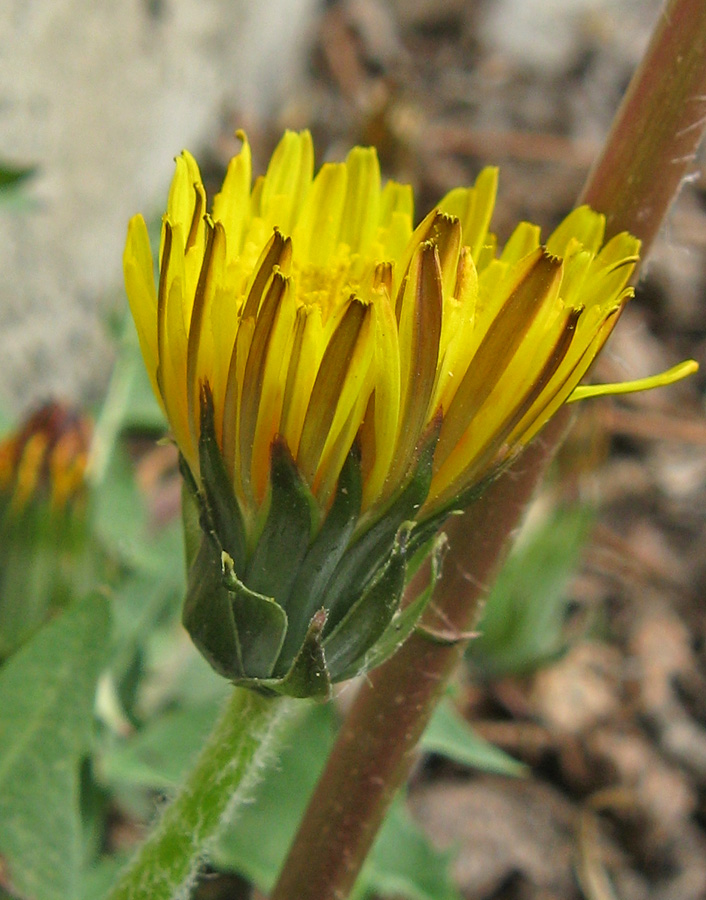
x=405 y=620
x=260 y=625
x=370 y=550
x=368 y=618
x=309 y=675
x=308 y=593
x=239 y=631
x=286 y=534
x=208 y=612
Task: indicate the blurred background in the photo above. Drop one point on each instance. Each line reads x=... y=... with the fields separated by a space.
x=593 y=681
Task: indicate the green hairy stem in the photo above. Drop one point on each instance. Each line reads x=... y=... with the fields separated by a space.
x=225 y=773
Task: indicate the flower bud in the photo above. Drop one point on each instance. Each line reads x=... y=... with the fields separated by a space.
x=42 y=518
x=338 y=381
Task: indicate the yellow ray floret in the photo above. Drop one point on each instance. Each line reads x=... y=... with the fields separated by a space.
x=319 y=315
x=663 y=379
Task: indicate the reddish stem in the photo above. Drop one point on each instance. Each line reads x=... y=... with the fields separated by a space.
x=657 y=130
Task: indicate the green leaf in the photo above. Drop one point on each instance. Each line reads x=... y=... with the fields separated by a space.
x=402 y=863
x=142 y=411
x=146 y=598
x=239 y=631
x=101 y=877
x=31 y=582
x=119 y=513
x=7 y=419
x=190 y=516
x=10 y=176
x=120 y=403
x=449 y=735
x=46 y=700
x=523 y=623
x=13 y=195
x=158 y=756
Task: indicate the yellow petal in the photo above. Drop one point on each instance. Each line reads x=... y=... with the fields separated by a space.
x=142 y=296
x=671 y=376
x=172 y=342
x=272 y=392
x=457 y=341
x=377 y=457
x=275 y=255
x=232 y=400
x=315 y=312
x=232 y=205
x=307 y=349
x=487 y=252
x=352 y=405
x=473 y=457
x=316 y=233
x=342 y=371
x=396 y=217
x=474 y=208
x=445 y=234
x=396 y=199
x=184 y=200
x=523 y=241
x=592 y=330
x=361 y=210
x=420 y=314
x=582 y=224
x=287 y=180
x=256 y=416
x=401 y=270
x=198 y=341
x=535 y=287
x=220 y=321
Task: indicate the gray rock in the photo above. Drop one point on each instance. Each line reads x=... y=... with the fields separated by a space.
x=548 y=35
x=101 y=96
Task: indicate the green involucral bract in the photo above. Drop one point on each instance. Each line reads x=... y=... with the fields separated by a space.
x=303 y=607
